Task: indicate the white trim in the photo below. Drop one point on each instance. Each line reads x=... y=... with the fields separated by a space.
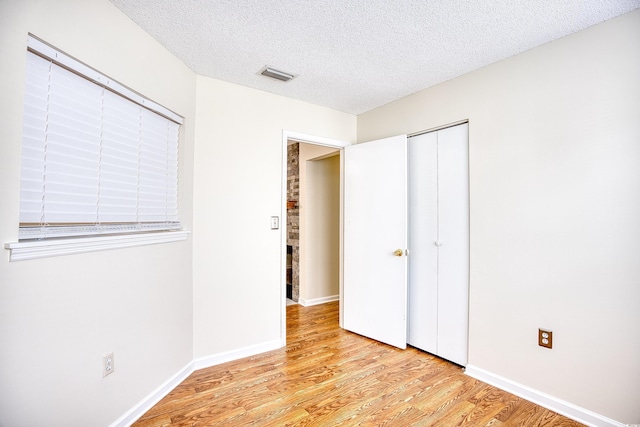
x=228 y=356
x=437 y=128
x=310 y=139
x=341 y=264
x=34 y=249
x=139 y=409
x=545 y=400
x=283 y=242
x=317 y=301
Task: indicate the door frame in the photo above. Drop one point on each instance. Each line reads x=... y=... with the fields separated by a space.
x=314 y=140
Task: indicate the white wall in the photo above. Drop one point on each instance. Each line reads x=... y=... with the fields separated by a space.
x=554 y=138
x=59 y=316
x=320 y=230
x=238 y=288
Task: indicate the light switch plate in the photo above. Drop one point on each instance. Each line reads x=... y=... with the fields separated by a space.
x=275 y=222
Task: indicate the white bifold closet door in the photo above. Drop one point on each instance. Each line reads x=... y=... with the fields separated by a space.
x=438 y=276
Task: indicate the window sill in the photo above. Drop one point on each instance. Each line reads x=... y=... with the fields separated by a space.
x=21 y=251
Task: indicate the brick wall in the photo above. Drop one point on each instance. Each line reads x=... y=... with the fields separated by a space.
x=293 y=215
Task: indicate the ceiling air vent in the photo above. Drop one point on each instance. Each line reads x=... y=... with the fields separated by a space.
x=276 y=74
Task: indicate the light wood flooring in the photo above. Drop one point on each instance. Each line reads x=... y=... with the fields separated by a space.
x=327 y=376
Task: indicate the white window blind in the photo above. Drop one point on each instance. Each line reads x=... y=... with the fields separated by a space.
x=97 y=158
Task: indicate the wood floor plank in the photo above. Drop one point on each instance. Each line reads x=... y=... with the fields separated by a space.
x=327 y=376
x=487 y=407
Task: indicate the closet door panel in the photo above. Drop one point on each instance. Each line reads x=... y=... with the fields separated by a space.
x=453 y=254
x=423 y=253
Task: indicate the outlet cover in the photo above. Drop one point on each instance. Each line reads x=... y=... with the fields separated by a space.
x=545 y=338
x=108 y=364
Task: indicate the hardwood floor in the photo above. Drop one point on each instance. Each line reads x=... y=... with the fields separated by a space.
x=327 y=376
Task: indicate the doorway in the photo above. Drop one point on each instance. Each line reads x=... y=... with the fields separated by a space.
x=311 y=211
x=313 y=223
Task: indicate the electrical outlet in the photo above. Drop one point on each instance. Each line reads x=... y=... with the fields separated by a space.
x=545 y=338
x=108 y=364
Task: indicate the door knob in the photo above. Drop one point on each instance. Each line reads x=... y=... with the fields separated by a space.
x=438 y=243
x=398 y=252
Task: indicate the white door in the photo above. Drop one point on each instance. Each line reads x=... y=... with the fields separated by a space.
x=375 y=226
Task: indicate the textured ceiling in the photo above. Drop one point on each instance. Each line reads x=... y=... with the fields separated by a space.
x=355 y=55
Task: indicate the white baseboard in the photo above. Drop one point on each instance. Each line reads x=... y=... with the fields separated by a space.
x=154 y=397
x=317 y=301
x=228 y=356
x=545 y=400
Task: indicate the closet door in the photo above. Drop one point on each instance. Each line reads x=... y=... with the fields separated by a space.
x=439 y=243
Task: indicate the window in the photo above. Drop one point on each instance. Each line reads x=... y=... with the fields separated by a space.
x=97 y=158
